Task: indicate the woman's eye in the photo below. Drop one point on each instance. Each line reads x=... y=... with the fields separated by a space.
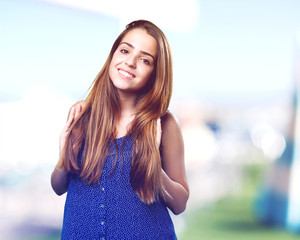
x=124 y=51
x=146 y=61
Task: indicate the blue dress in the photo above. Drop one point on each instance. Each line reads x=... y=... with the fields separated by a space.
x=111 y=210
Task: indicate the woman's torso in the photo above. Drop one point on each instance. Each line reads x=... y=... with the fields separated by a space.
x=111 y=209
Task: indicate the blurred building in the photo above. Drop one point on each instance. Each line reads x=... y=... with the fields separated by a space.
x=279 y=200
x=293 y=214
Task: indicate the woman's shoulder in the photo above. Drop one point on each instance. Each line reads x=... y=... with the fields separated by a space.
x=170 y=119
x=170 y=124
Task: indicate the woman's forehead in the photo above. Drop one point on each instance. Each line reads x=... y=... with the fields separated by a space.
x=141 y=41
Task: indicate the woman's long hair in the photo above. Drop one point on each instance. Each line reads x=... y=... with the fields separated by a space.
x=96 y=125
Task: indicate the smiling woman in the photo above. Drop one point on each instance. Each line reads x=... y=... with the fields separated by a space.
x=121 y=150
x=133 y=61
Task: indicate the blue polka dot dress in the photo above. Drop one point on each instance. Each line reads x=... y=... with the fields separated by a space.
x=111 y=210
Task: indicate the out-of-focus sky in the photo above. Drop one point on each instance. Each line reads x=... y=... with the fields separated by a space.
x=223 y=50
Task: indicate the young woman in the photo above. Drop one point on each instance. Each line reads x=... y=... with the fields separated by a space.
x=121 y=150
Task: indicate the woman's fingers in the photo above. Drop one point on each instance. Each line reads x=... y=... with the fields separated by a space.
x=70 y=119
x=66 y=128
x=74 y=113
x=78 y=107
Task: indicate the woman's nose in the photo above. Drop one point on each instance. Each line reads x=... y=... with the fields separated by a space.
x=131 y=61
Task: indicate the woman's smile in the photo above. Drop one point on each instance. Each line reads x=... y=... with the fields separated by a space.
x=126 y=74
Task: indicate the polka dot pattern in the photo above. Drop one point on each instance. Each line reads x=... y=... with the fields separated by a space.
x=112 y=210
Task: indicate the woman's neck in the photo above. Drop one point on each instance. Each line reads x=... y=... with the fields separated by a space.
x=127 y=103
x=127 y=108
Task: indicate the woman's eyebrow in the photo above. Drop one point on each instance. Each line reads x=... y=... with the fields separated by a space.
x=144 y=52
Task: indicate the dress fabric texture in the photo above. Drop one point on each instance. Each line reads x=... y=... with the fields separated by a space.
x=110 y=209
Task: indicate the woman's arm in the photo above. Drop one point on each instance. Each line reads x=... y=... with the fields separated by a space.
x=60 y=178
x=173 y=173
x=60 y=181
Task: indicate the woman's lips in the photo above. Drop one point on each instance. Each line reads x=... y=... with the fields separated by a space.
x=126 y=74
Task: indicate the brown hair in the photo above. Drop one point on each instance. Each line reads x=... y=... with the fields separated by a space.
x=96 y=124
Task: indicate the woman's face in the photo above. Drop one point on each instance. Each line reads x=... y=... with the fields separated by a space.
x=133 y=61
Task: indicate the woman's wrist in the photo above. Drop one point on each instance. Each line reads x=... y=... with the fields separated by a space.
x=60 y=165
x=60 y=168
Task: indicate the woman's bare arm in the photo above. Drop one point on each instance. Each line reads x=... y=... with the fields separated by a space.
x=60 y=178
x=60 y=181
x=173 y=173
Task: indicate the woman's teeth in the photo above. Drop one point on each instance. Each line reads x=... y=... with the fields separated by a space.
x=126 y=74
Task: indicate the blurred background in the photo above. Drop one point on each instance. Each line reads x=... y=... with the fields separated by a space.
x=236 y=89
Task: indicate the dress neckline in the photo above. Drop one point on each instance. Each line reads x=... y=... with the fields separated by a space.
x=120 y=138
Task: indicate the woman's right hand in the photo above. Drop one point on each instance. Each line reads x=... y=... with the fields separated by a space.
x=60 y=178
x=73 y=113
